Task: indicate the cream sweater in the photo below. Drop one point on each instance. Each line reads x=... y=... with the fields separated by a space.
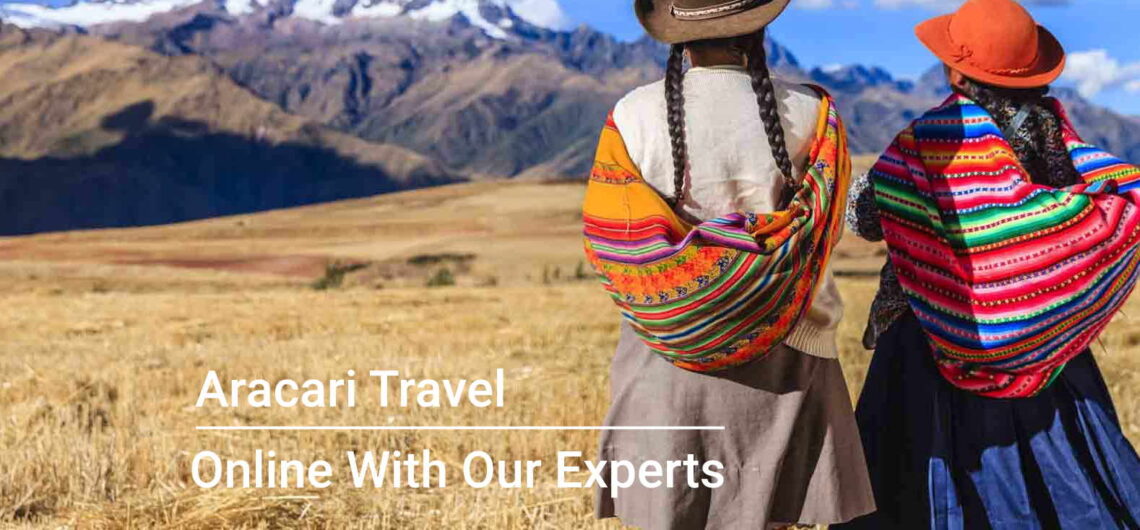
x=730 y=164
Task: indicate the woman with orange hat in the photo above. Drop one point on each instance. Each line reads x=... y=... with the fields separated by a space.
x=1012 y=243
x=711 y=213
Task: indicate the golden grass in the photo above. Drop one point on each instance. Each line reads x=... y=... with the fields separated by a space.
x=101 y=364
x=98 y=393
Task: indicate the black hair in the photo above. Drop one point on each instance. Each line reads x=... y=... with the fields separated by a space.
x=756 y=59
x=1038 y=143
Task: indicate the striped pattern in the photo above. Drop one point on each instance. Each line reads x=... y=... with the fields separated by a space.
x=1010 y=279
x=726 y=291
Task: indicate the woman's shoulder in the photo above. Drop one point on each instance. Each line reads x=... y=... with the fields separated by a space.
x=799 y=107
x=639 y=110
x=798 y=99
x=798 y=91
x=787 y=92
x=642 y=98
x=645 y=103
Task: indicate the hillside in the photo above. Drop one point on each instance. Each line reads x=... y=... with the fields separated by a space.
x=481 y=105
x=485 y=233
x=95 y=134
x=107 y=336
x=518 y=99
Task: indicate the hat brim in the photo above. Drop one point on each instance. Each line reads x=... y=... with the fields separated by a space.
x=1050 y=63
x=660 y=23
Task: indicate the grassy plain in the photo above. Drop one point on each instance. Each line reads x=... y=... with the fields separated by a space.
x=107 y=336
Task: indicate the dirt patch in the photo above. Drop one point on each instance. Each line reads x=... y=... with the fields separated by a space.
x=292 y=266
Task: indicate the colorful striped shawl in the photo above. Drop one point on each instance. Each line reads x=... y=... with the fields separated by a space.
x=725 y=292
x=1009 y=279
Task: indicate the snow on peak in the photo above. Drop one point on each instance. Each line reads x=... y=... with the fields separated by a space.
x=544 y=13
x=241 y=7
x=319 y=10
x=491 y=16
x=87 y=13
x=470 y=9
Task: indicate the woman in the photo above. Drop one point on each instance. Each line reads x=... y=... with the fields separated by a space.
x=1011 y=243
x=748 y=337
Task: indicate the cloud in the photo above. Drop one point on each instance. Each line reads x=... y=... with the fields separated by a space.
x=546 y=13
x=1095 y=70
x=826 y=4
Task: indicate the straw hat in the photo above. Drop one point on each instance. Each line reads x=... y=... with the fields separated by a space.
x=996 y=42
x=678 y=21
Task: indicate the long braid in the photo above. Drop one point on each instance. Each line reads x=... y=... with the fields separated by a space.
x=769 y=111
x=675 y=104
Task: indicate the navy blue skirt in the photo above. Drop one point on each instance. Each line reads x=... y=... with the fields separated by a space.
x=946 y=459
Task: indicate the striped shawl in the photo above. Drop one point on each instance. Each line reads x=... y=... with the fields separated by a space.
x=1009 y=279
x=724 y=292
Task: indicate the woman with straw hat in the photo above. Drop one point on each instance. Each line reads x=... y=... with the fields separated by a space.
x=1012 y=245
x=712 y=209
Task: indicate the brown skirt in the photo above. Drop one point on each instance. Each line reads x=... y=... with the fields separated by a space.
x=791 y=449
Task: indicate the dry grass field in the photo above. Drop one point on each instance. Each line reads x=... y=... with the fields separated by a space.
x=107 y=336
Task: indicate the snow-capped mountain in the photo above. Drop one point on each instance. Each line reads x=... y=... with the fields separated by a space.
x=527 y=104
x=493 y=17
x=87 y=13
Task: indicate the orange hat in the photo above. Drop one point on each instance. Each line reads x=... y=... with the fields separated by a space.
x=996 y=42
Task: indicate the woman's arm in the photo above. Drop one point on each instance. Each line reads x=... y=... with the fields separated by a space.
x=862 y=212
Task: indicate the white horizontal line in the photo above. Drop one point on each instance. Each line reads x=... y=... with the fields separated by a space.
x=449 y=428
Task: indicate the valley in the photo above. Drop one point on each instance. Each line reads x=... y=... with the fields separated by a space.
x=110 y=333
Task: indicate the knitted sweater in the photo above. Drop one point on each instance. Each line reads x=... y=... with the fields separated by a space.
x=731 y=165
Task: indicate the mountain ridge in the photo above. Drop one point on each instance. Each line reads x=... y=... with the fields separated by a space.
x=494 y=17
x=366 y=75
x=95 y=133
x=451 y=99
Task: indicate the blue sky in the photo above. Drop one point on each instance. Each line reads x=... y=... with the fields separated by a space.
x=1098 y=34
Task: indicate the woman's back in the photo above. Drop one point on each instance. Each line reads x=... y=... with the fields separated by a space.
x=718 y=325
x=731 y=166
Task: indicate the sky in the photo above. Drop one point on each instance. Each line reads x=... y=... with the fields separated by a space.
x=1104 y=61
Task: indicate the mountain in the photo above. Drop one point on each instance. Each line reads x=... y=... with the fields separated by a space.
x=490 y=88
x=480 y=88
x=523 y=99
x=856 y=77
x=494 y=17
x=96 y=134
x=528 y=103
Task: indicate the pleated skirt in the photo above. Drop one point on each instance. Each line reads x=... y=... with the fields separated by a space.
x=790 y=447
x=942 y=458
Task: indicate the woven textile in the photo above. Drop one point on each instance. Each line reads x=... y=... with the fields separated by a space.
x=1009 y=279
x=726 y=291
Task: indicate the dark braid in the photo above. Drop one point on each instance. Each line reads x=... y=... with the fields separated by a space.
x=757 y=59
x=1038 y=143
x=769 y=111
x=675 y=104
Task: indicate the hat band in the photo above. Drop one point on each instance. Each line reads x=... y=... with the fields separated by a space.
x=966 y=54
x=731 y=7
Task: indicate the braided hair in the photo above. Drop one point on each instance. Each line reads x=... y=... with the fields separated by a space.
x=769 y=111
x=1038 y=142
x=757 y=63
x=675 y=107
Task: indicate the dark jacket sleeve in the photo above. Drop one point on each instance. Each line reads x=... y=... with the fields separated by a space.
x=862 y=212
